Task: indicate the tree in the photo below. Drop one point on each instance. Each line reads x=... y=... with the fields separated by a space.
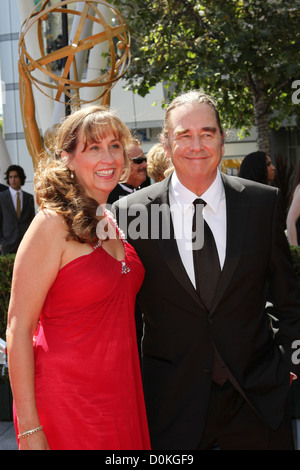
x=244 y=53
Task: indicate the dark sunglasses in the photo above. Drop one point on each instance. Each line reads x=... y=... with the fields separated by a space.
x=139 y=160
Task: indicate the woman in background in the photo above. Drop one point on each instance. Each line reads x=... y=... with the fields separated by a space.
x=158 y=164
x=257 y=166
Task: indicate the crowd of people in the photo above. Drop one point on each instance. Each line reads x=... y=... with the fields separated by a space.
x=193 y=254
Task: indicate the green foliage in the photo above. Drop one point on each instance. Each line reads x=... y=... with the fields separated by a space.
x=245 y=53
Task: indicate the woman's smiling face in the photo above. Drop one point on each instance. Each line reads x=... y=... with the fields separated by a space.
x=98 y=165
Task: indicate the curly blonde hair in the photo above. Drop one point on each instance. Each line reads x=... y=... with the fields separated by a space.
x=157 y=163
x=56 y=188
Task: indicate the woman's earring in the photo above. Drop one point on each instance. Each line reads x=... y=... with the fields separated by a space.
x=72 y=175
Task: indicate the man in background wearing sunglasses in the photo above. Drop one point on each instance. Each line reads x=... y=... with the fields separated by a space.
x=137 y=176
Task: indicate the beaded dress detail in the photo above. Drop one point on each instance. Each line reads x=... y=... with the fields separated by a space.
x=112 y=231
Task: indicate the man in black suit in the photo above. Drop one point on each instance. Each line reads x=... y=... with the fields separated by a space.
x=16 y=210
x=215 y=375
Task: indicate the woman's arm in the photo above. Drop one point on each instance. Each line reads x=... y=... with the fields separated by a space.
x=36 y=266
x=292 y=217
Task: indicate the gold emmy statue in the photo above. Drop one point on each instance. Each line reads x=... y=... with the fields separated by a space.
x=59 y=86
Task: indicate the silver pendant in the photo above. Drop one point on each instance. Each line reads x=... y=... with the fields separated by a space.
x=125 y=268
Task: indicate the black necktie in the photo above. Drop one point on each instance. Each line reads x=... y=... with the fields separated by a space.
x=206 y=259
x=207 y=274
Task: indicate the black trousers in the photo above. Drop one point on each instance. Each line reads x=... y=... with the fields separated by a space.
x=232 y=424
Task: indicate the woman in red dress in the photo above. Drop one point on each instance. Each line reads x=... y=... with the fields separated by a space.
x=72 y=350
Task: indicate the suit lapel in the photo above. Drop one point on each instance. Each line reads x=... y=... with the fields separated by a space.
x=11 y=205
x=236 y=209
x=25 y=203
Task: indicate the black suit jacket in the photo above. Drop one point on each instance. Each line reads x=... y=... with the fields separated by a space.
x=3 y=187
x=117 y=193
x=13 y=229
x=180 y=334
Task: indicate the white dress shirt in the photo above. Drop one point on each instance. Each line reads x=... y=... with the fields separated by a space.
x=182 y=210
x=13 y=193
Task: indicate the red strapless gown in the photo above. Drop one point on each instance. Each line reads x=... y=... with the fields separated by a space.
x=87 y=372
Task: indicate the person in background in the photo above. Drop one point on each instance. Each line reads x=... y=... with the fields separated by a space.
x=71 y=339
x=214 y=374
x=257 y=166
x=16 y=210
x=158 y=163
x=3 y=187
x=137 y=174
x=293 y=216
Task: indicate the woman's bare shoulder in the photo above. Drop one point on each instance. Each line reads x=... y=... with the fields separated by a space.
x=50 y=221
x=48 y=229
